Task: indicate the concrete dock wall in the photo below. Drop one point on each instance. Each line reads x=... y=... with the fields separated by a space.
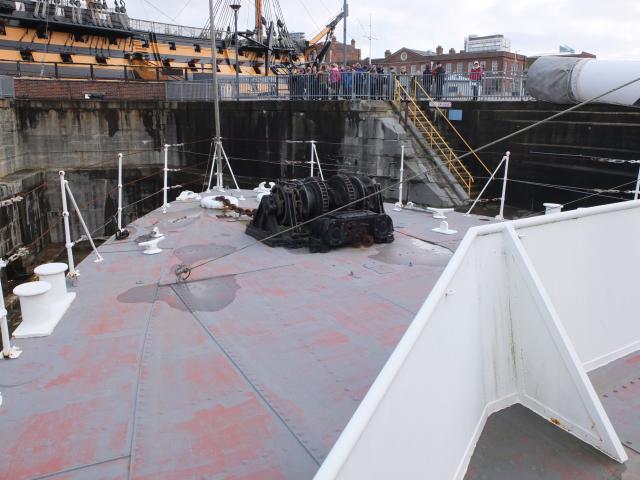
x=264 y=141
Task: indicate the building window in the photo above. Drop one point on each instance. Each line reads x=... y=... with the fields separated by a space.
x=172 y=45
x=506 y=66
x=423 y=67
x=448 y=69
x=514 y=68
x=470 y=66
x=459 y=67
x=483 y=65
x=494 y=65
x=413 y=69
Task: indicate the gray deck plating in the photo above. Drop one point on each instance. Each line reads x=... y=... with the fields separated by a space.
x=250 y=369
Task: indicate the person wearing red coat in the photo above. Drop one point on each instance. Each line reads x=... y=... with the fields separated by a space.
x=476 y=77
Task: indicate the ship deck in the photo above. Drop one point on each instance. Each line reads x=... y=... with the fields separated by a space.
x=250 y=368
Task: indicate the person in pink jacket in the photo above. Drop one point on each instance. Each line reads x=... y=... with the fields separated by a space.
x=334 y=79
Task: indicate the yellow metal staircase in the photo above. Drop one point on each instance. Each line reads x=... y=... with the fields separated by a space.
x=405 y=97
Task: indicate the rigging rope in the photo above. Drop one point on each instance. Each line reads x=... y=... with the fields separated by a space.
x=183 y=272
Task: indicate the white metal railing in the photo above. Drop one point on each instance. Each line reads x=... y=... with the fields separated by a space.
x=350 y=86
x=168 y=28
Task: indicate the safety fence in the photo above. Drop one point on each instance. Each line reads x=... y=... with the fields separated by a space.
x=352 y=86
x=195 y=83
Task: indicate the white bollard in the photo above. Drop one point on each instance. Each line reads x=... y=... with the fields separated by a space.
x=53 y=273
x=444 y=229
x=35 y=310
x=43 y=303
x=151 y=246
x=439 y=213
x=550 y=208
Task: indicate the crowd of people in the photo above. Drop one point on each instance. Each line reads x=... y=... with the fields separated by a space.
x=332 y=81
x=357 y=81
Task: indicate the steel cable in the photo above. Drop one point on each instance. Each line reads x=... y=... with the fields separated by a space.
x=183 y=272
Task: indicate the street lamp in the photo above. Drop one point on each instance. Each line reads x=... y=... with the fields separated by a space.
x=236 y=7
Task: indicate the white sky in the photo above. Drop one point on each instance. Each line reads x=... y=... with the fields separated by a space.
x=607 y=28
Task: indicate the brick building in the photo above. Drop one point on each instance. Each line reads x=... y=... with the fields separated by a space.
x=454 y=62
x=336 y=52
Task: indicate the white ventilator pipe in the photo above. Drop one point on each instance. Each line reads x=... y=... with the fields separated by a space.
x=165 y=188
x=84 y=225
x=635 y=195
x=311 y=161
x=575 y=80
x=119 y=192
x=500 y=216
x=67 y=229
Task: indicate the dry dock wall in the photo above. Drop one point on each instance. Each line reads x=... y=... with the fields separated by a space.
x=83 y=137
x=572 y=150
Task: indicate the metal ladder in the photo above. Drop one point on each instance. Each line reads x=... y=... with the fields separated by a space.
x=433 y=137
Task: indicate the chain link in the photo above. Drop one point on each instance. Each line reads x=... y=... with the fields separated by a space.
x=10 y=201
x=613 y=160
x=22 y=252
x=612 y=190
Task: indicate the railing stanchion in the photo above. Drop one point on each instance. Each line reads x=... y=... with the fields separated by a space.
x=165 y=187
x=7 y=350
x=67 y=229
x=315 y=159
x=500 y=216
x=82 y=222
x=121 y=233
x=398 y=206
x=493 y=174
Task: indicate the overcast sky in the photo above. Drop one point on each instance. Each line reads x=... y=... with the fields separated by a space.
x=607 y=28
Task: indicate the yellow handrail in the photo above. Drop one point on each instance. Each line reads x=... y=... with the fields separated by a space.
x=418 y=85
x=448 y=155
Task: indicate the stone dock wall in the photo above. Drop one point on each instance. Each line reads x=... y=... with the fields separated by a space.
x=264 y=141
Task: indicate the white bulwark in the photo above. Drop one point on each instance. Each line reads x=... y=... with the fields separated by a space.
x=522 y=312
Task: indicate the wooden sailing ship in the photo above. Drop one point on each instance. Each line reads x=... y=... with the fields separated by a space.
x=78 y=39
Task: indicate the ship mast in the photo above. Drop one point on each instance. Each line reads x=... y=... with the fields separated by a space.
x=258 y=20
